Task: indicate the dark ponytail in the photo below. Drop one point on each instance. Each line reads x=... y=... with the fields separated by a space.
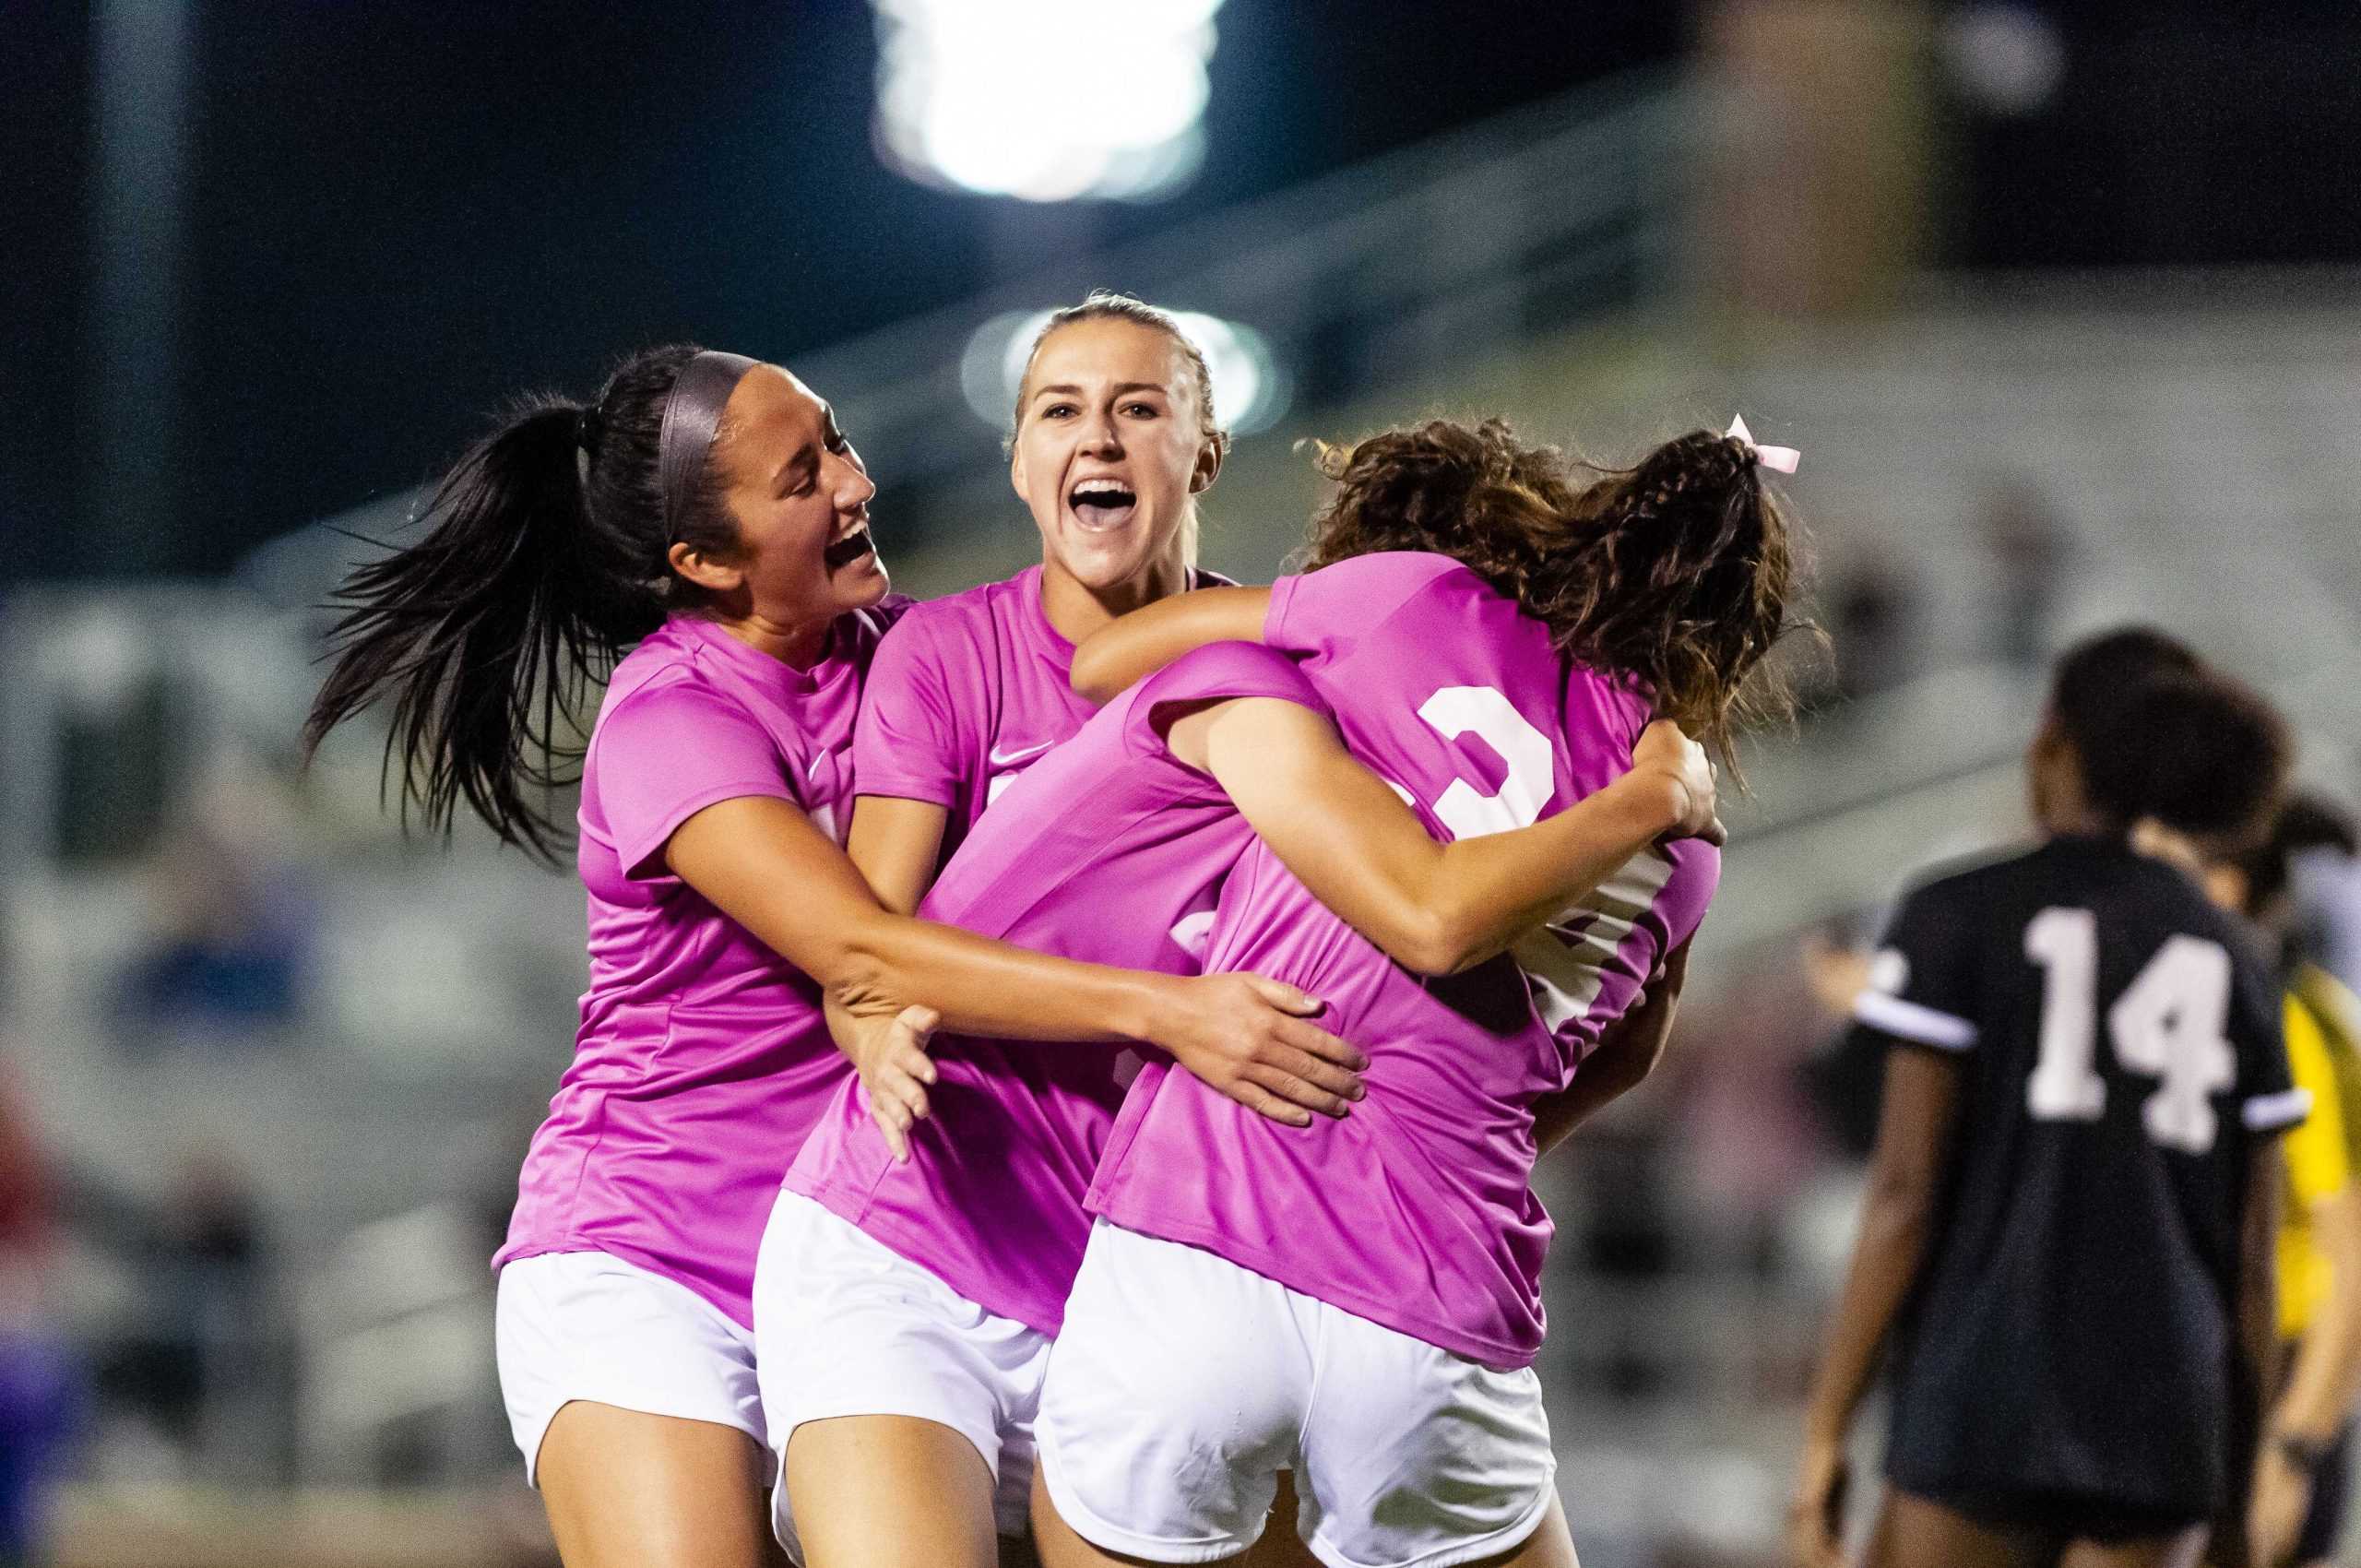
x=1677 y=570
x=545 y=560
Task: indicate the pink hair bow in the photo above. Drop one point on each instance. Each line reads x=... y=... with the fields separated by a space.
x=1781 y=459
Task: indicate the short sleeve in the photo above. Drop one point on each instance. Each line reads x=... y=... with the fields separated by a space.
x=1215 y=672
x=667 y=751
x=2317 y=1166
x=1918 y=986
x=906 y=742
x=1324 y=613
x=2271 y=1099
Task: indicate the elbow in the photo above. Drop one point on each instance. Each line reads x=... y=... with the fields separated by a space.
x=1092 y=676
x=859 y=960
x=1645 y=1060
x=1430 y=943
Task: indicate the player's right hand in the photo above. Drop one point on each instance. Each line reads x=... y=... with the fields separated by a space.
x=1666 y=752
x=1816 y=1519
x=1249 y=1038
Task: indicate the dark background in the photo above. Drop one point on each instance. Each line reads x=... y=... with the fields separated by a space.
x=399 y=213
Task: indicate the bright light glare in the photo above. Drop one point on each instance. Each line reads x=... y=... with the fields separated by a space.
x=1252 y=389
x=1045 y=100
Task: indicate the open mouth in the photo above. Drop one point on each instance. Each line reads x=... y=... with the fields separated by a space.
x=1103 y=503
x=849 y=549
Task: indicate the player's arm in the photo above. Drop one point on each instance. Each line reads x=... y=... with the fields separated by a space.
x=2321 y=1379
x=897 y=844
x=1625 y=1055
x=2258 y=1325
x=1435 y=908
x=1136 y=645
x=761 y=862
x=1916 y=1120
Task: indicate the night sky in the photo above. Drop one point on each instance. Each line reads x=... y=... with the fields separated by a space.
x=399 y=213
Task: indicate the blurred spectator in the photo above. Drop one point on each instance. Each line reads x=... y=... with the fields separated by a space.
x=2030 y=554
x=38 y=1384
x=202 y=1261
x=2327 y=887
x=226 y=947
x=1873 y=608
x=1746 y=1124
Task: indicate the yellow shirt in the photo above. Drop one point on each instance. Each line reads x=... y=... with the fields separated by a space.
x=2320 y=1156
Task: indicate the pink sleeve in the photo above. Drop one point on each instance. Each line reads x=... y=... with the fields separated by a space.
x=1215 y=672
x=906 y=742
x=666 y=752
x=1324 y=615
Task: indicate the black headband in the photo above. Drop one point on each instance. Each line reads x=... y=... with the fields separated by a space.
x=691 y=416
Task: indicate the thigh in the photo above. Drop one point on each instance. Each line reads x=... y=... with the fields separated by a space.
x=889 y=1491
x=2181 y=1549
x=856 y=1339
x=588 y=1327
x=1059 y=1545
x=1552 y=1545
x=1916 y=1532
x=1281 y=1545
x=628 y=1489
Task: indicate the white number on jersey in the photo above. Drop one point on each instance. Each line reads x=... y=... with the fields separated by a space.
x=2169 y=1025
x=1562 y=968
x=1458 y=710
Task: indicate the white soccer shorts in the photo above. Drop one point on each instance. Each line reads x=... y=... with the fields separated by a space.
x=1182 y=1385
x=585 y=1325
x=846 y=1326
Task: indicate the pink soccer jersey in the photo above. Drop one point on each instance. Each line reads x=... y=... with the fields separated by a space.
x=702 y=1059
x=1416 y=1211
x=1109 y=850
x=969 y=691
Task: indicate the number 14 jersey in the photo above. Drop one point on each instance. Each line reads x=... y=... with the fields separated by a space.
x=2074 y=1322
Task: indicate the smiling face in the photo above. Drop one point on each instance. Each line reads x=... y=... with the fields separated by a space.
x=1110 y=452
x=800 y=497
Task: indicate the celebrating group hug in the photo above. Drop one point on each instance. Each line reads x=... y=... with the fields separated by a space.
x=1064 y=1063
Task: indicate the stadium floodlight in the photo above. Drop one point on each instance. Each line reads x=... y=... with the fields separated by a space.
x=1251 y=388
x=1045 y=100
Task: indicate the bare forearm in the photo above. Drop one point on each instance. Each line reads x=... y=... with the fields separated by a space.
x=1620 y=1063
x=1434 y=907
x=762 y=862
x=1886 y=1260
x=1596 y=1086
x=1489 y=891
x=983 y=987
x=1140 y=644
x=2326 y=1373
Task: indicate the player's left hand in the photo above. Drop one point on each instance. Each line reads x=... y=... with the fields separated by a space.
x=2282 y=1494
x=1816 y=1520
x=888 y=1052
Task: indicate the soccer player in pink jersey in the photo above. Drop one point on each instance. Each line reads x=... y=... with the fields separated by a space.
x=705 y=513
x=914 y=1302
x=1360 y=1302
x=1114 y=438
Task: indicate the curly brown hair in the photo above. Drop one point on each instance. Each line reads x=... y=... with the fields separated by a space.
x=1676 y=570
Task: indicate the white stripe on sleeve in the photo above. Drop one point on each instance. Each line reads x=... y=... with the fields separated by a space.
x=1914 y=1021
x=2271 y=1113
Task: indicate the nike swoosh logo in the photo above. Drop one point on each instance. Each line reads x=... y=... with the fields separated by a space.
x=1003 y=760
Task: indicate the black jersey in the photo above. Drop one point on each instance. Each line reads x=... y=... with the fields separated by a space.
x=2074 y=1326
